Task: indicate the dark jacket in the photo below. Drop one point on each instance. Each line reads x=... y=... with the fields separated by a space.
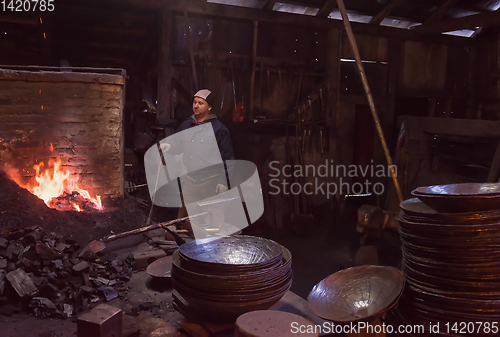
x=223 y=141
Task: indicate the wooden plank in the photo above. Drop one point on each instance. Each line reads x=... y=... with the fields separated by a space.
x=441 y=11
x=191 y=52
x=470 y=21
x=424 y=65
x=254 y=65
x=252 y=14
x=455 y=126
x=334 y=37
x=164 y=105
x=23 y=20
x=371 y=48
x=426 y=93
x=394 y=58
x=21 y=283
x=327 y=8
x=389 y=6
x=52 y=76
x=269 y=4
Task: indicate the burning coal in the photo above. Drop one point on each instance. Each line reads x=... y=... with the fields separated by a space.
x=58 y=188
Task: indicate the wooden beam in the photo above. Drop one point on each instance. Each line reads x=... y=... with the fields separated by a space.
x=254 y=65
x=256 y=14
x=269 y=4
x=471 y=21
x=441 y=11
x=326 y=9
x=334 y=46
x=31 y=20
x=390 y=5
x=252 y=14
x=164 y=106
x=191 y=53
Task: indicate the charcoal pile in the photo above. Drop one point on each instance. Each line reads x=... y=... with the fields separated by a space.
x=49 y=275
x=19 y=209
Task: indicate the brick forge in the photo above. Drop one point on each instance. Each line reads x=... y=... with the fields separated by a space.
x=74 y=116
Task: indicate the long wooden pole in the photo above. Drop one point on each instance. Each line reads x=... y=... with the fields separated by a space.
x=371 y=102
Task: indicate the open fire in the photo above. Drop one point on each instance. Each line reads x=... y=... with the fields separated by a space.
x=58 y=189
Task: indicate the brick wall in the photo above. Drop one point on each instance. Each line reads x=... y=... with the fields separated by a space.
x=79 y=113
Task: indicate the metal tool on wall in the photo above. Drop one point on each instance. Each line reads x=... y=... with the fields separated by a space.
x=301 y=218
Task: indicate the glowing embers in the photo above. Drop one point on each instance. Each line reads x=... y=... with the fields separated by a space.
x=58 y=188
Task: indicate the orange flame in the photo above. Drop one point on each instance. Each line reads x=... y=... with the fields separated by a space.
x=54 y=182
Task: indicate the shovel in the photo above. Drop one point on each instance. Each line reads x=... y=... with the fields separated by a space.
x=97 y=246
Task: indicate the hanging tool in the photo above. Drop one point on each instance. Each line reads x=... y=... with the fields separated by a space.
x=371 y=102
x=299 y=219
x=261 y=77
x=225 y=85
x=234 y=89
x=310 y=128
x=269 y=93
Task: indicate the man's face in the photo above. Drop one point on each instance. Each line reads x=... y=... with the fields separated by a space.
x=201 y=107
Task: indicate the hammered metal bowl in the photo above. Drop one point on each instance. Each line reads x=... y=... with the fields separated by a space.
x=451 y=251
x=459 y=198
x=232 y=254
x=361 y=293
x=464 y=189
x=254 y=275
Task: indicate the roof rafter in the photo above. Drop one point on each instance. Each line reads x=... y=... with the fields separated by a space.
x=471 y=21
x=441 y=11
x=377 y=19
x=269 y=4
x=327 y=8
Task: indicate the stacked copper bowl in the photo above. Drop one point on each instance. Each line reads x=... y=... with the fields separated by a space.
x=223 y=278
x=451 y=260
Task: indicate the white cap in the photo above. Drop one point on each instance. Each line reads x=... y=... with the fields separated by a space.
x=203 y=93
x=207 y=95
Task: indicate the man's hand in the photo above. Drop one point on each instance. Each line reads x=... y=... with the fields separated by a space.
x=221 y=188
x=164 y=147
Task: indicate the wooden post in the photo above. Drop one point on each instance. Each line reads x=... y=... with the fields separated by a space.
x=252 y=80
x=472 y=83
x=191 y=53
x=164 y=107
x=395 y=60
x=334 y=46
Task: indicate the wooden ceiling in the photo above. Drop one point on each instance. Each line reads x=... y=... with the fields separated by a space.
x=122 y=33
